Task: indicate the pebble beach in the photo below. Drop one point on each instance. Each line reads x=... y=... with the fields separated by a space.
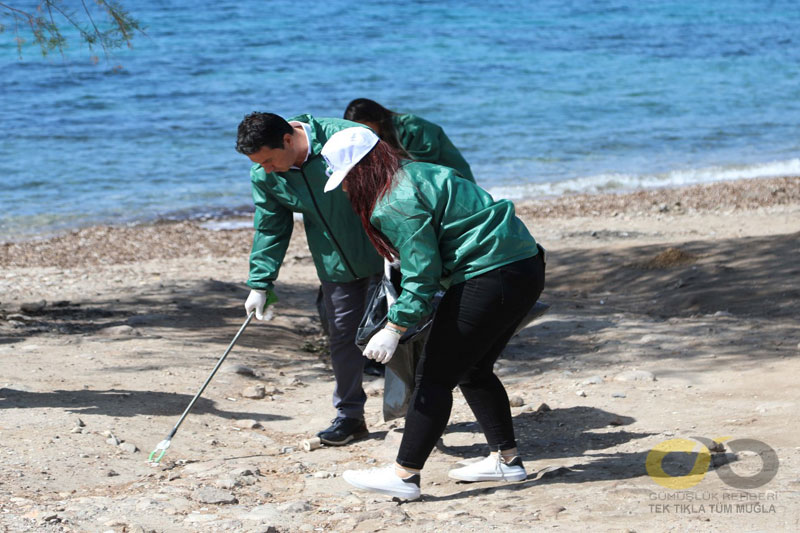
x=130 y=244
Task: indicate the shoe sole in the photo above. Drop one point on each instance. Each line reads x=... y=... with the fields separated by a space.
x=348 y=439
x=387 y=492
x=493 y=477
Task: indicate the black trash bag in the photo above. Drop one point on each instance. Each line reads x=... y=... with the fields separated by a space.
x=399 y=378
x=401 y=368
x=375 y=315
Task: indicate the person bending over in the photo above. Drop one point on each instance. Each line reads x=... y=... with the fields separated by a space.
x=418 y=138
x=448 y=233
x=287 y=175
x=415 y=138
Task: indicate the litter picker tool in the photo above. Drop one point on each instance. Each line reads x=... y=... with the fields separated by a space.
x=162 y=446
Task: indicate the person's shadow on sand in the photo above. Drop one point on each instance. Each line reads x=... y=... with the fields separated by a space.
x=553 y=434
x=121 y=403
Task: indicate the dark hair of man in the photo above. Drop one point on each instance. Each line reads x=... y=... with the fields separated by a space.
x=365 y=110
x=258 y=130
x=369 y=181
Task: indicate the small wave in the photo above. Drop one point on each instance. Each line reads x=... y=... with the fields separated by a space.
x=227 y=225
x=618 y=182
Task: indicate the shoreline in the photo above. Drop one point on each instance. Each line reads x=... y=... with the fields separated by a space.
x=107 y=244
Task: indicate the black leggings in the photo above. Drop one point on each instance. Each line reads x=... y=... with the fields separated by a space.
x=474 y=322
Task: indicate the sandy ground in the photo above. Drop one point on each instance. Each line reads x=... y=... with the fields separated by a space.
x=674 y=316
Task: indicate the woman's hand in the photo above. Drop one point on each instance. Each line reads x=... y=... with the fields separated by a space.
x=382 y=345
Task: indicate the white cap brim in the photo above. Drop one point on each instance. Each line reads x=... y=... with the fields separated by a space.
x=335 y=179
x=344 y=150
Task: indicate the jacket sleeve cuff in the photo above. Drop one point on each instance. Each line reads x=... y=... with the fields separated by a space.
x=403 y=317
x=260 y=285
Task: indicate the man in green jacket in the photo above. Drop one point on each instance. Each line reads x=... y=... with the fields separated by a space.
x=288 y=176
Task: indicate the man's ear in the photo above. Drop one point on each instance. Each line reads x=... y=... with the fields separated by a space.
x=287 y=140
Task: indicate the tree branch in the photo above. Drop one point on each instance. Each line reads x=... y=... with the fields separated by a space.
x=96 y=31
x=60 y=38
x=118 y=26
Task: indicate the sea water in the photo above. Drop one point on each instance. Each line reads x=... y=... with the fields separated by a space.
x=543 y=98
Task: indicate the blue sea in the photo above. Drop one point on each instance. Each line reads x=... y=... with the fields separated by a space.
x=542 y=98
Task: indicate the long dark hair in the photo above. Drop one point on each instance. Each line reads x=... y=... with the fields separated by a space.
x=368 y=182
x=365 y=110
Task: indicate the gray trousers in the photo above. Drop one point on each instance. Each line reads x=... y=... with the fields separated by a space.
x=344 y=305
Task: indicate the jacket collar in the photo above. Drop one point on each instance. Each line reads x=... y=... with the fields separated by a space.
x=316 y=133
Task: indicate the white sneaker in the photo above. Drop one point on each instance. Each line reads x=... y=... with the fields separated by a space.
x=491 y=468
x=384 y=481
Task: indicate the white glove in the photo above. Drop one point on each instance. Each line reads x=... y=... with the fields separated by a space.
x=257 y=300
x=382 y=345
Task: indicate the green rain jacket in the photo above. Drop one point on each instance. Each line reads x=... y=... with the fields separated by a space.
x=425 y=141
x=446 y=230
x=341 y=250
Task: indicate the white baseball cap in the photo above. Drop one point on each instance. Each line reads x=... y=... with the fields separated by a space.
x=344 y=150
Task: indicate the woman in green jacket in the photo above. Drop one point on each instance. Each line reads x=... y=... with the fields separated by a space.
x=448 y=234
x=419 y=139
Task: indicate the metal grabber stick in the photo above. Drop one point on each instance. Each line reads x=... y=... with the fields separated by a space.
x=164 y=444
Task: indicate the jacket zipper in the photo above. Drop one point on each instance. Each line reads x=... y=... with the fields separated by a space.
x=327 y=227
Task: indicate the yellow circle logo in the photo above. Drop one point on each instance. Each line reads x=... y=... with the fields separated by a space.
x=656 y=471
